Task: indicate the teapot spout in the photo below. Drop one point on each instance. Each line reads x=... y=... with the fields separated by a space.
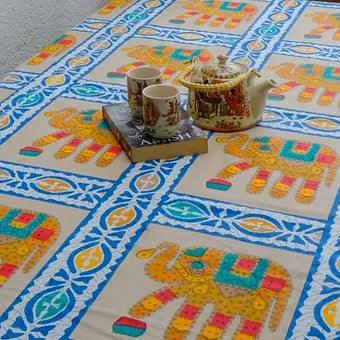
x=258 y=96
x=263 y=87
x=254 y=75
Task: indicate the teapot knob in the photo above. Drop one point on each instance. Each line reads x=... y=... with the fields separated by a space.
x=222 y=60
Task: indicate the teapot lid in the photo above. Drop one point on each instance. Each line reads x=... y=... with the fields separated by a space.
x=217 y=71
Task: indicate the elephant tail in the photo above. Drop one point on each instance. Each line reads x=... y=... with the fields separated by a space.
x=281 y=300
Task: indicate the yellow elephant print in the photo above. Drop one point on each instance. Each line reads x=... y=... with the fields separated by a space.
x=56 y=48
x=293 y=159
x=112 y=5
x=237 y=285
x=25 y=236
x=311 y=77
x=79 y=127
x=327 y=22
x=229 y=13
x=167 y=58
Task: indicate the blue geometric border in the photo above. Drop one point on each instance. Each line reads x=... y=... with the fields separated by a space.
x=322 y=287
x=243 y=223
x=54 y=186
x=189 y=36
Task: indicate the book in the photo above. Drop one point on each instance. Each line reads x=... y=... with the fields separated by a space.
x=140 y=146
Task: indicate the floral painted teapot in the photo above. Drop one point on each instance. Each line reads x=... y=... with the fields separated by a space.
x=224 y=96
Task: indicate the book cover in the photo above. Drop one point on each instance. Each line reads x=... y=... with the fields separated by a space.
x=140 y=146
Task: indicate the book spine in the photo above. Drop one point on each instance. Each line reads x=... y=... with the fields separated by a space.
x=119 y=137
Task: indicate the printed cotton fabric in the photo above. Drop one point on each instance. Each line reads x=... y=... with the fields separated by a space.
x=239 y=243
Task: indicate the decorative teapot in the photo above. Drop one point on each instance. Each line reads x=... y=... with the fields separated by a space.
x=225 y=96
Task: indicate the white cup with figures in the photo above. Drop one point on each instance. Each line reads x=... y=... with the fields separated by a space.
x=137 y=79
x=161 y=110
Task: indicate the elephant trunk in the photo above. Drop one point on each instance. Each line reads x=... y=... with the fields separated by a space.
x=157 y=268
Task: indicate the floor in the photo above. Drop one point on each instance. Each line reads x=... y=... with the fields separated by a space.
x=27 y=25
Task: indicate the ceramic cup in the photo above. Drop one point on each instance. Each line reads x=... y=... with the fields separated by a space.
x=161 y=112
x=137 y=79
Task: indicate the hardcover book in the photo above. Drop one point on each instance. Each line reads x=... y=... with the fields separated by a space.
x=140 y=146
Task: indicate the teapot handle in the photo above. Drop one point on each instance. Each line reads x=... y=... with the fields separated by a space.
x=225 y=86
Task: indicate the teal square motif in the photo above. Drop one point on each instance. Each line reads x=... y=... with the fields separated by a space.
x=289 y=153
x=224 y=275
x=7 y=229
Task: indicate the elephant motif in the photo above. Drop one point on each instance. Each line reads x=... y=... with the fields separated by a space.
x=25 y=236
x=294 y=159
x=327 y=21
x=57 y=47
x=80 y=127
x=171 y=60
x=312 y=77
x=216 y=12
x=235 y=284
x=112 y=5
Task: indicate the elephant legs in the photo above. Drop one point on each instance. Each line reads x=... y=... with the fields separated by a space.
x=181 y=18
x=336 y=35
x=68 y=149
x=282 y=186
x=307 y=191
x=326 y=98
x=35 y=149
x=6 y=271
x=181 y=324
x=109 y=155
x=258 y=181
x=88 y=153
x=153 y=302
x=277 y=93
x=121 y=71
x=215 y=326
x=248 y=329
x=307 y=94
x=220 y=182
x=317 y=32
x=202 y=20
x=233 y=23
x=217 y=21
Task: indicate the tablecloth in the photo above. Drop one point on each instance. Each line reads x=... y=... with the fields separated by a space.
x=94 y=247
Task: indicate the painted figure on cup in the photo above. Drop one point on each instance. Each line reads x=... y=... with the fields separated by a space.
x=167 y=58
x=150 y=113
x=326 y=22
x=216 y=13
x=312 y=77
x=25 y=237
x=78 y=127
x=293 y=159
x=237 y=285
x=56 y=48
